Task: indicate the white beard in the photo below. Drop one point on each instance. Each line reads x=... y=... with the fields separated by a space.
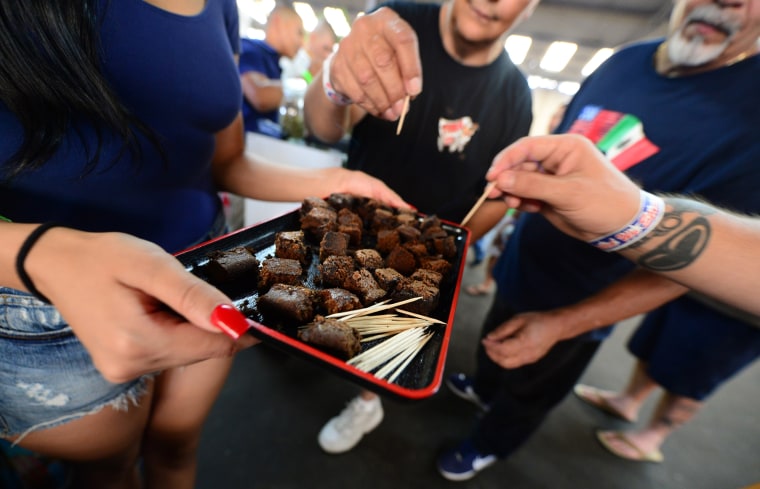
x=693 y=52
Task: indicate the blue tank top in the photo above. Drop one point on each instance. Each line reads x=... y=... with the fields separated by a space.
x=177 y=74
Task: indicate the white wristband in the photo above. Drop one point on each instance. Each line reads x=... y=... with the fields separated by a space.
x=651 y=210
x=332 y=94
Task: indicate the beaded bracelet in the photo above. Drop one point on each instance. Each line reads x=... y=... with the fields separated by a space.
x=21 y=257
x=332 y=94
x=651 y=210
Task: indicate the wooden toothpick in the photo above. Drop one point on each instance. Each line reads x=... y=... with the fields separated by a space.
x=480 y=201
x=403 y=115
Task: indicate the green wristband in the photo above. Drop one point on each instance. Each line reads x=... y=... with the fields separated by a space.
x=3 y=218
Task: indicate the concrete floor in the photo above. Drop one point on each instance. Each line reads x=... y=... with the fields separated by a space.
x=262 y=431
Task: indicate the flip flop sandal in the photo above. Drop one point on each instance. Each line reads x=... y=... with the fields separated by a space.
x=606 y=438
x=596 y=398
x=478 y=290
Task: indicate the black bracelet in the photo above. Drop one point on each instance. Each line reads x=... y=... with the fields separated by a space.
x=21 y=257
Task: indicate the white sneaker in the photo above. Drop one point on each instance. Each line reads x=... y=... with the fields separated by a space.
x=344 y=431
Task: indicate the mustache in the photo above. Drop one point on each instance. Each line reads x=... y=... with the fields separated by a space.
x=716 y=17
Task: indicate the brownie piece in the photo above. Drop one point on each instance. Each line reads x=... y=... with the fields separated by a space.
x=414 y=288
x=338 y=300
x=366 y=208
x=407 y=217
x=351 y=224
x=430 y=277
x=342 y=201
x=335 y=270
x=332 y=336
x=333 y=243
x=362 y=283
x=383 y=219
x=445 y=247
x=433 y=232
x=408 y=233
x=310 y=203
x=387 y=278
x=293 y=302
x=430 y=221
x=436 y=263
x=230 y=265
x=417 y=248
x=290 y=244
x=369 y=259
x=402 y=260
x=318 y=221
x=279 y=271
x=387 y=239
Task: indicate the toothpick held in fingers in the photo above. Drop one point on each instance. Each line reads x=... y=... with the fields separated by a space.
x=480 y=201
x=403 y=115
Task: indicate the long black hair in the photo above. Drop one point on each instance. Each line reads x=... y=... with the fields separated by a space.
x=50 y=78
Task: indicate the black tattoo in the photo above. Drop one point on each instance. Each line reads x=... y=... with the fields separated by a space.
x=686 y=233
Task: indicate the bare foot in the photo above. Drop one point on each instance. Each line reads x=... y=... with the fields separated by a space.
x=632 y=445
x=607 y=401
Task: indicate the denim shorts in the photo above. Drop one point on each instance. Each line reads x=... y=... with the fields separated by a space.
x=46 y=375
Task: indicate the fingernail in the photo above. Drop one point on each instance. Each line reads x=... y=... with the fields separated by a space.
x=414 y=86
x=390 y=114
x=398 y=107
x=231 y=321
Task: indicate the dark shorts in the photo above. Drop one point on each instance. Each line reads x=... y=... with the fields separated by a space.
x=692 y=349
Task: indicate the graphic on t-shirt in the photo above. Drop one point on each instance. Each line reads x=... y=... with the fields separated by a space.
x=619 y=136
x=455 y=134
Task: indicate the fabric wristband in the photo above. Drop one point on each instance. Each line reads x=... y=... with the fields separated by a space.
x=330 y=92
x=651 y=210
x=24 y=251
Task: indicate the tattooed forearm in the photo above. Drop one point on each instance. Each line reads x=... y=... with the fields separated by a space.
x=684 y=233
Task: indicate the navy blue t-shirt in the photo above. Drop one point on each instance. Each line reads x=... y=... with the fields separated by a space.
x=177 y=74
x=257 y=55
x=693 y=135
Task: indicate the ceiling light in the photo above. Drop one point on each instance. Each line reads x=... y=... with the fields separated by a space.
x=307 y=15
x=337 y=20
x=557 y=56
x=596 y=60
x=568 y=87
x=517 y=47
x=541 y=82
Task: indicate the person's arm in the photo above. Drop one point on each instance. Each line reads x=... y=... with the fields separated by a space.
x=485 y=218
x=117 y=293
x=237 y=172
x=263 y=93
x=527 y=337
x=376 y=66
x=584 y=195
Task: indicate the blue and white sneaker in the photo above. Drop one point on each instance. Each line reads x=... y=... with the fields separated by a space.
x=464 y=387
x=463 y=462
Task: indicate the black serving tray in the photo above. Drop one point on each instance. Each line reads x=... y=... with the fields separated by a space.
x=419 y=380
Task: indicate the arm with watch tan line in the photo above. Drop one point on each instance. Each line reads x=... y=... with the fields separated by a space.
x=695 y=244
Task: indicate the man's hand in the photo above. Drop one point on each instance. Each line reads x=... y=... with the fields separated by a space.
x=378 y=64
x=523 y=339
x=569 y=181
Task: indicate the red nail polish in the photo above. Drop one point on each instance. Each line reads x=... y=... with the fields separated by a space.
x=229 y=320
